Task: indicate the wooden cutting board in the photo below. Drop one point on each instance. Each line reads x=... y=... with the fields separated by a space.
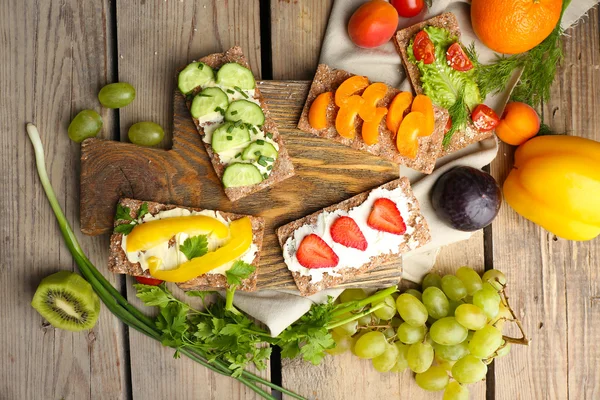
x=326 y=173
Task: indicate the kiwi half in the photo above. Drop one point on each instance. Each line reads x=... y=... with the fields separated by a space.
x=67 y=301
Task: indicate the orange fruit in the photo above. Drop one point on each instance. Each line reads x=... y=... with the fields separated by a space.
x=514 y=26
x=317 y=114
x=370 y=128
x=519 y=123
x=344 y=122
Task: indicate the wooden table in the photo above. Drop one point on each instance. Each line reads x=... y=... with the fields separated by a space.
x=56 y=56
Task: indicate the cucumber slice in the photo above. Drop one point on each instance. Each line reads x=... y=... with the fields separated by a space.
x=207 y=101
x=228 y=136
x=240 y=174
x=246 y=111
x=194 y=75
x=259 y=148
x=233 y=74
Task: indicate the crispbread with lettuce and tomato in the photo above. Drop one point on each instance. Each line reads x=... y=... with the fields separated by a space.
x=446 y=78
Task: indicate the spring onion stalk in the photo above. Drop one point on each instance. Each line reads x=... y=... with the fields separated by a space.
x=111 y=297
x=355 y=305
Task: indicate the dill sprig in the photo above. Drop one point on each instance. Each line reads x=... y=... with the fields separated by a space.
x=459 y=113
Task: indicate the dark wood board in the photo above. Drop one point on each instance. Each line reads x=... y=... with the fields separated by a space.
x=326 y=173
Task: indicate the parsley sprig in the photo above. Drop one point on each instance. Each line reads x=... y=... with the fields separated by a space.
x=124 y=214
x=194 y=246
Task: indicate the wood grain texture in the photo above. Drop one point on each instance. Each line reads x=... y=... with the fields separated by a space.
x=55 y=58
x=554 y=282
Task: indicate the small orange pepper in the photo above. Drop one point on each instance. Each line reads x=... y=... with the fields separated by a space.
x=349 y=87
x=423 y=104
x=407 y=140
x=370 y=128
x=344 y=122
x=372 y=95
x=397 y=108
x=317 y=114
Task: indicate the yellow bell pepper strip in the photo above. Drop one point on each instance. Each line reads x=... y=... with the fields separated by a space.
x=240 y=242
x=556 y=184
x=149 y=234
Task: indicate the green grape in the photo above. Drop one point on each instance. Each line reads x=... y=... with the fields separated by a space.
x=411 y=334
x=454 y=391
x=420 y=357
x=416 y=293
x=432 y=279
x=116 y=95
x=352 y=295
x=453 y=306
x=387 y=360
x=146 y=133
x=389 y=333
x=470 y=279
x=342 y=344
x=396 y=322
x=488 y=300
x=470 y=316
x=469 y=369
x=402 y=360
x=447 y=365
x=504 y=314
x=85 y=125
x=355 y=339
x=348 y=329
x=411 y=310
x=452 y=352
x=496 y=278
x=432 y=380
x=485 y=342
x=388 y=310
x=436 y=302
x=367 y=320
x=448 y=331
x=503 y=350
x=453 y=287
x=370 y=345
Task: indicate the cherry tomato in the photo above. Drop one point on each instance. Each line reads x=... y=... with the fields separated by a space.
x=373 y=24
x=148 y=281
x=423 y=48
x=408 y=8
x=484 y=118
x=458 y=59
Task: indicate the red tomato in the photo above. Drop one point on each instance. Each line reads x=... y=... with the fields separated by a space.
x=148 y=281
x=373 y=24
x=458 y=59
x=423 y=48
x=408 y=8
x=484 y=118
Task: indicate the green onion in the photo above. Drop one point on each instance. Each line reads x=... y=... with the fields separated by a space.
x=229 y=137
x=230 y=91
x=200 y=65
x=219 y=109
x=203 y=95
x=115 y=302
x=238 y=155
x=262 y=161
x=241 y=91
x=257 y=153
x=269 y=135
x=260 y=142
x=230 y=128
x=270 y=167
x=234 y=112
x=265 y=175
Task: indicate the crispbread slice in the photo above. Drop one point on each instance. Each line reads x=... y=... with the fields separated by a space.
x=417 y=238
x=118 y=262
x=283 y=168
x=402 y=40
x=328 y=80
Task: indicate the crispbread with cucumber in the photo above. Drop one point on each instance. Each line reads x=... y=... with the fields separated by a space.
x=353 y=237
x=227 y=241
x=240 y=137
x=442 y=74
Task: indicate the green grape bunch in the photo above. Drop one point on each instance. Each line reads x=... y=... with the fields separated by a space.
x=447 y=333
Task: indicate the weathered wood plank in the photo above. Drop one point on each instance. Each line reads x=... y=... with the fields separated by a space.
x=155 y=38
x=554 y=282
x=55 y=58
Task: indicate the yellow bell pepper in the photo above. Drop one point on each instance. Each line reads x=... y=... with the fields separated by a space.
x=240 y=241
x=556 y=184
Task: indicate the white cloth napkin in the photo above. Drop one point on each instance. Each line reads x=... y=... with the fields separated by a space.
x=279 y=309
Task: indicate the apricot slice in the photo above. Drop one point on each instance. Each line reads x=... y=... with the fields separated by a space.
x=344 y=122
x=407 y=140
x=370 y=128
x=350 y=87
x=396 y=111
x=317 y=115
x=372 y=95
x=422 y=104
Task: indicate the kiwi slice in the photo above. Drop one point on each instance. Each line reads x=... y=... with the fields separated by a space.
x=67 y=301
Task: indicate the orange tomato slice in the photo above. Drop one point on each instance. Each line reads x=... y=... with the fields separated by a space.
x=423 y=105
x=372 y=95
x=344 y=122
x=407 y=140
x=397 y=108
x=370 y=128
x=349 y=87
x=317 y=115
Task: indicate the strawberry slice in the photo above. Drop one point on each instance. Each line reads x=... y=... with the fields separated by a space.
x=386 y=217
x=346 y=232
x=313 y=252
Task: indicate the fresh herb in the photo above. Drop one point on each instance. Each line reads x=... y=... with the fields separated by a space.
x=124 y=229
x=204 y=95
x=200 y=65
x=135 y=319
x=194 y=246
x=234 y=112
x=238 y=123
x=262 y=161
x=230 y=128
x=124 y=213
x=143 y=210
x=269 y=135
x=257 y=153
x=229 y=137
x=270 y=167
x=219 y=109
x=265 y=175
x=230 y=91
x=459 y=112
x=241 y=91
x=235 y=275
x=260 y=142
x=238 y=155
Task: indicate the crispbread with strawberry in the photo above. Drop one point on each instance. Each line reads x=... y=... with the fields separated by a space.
x=350 y=238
